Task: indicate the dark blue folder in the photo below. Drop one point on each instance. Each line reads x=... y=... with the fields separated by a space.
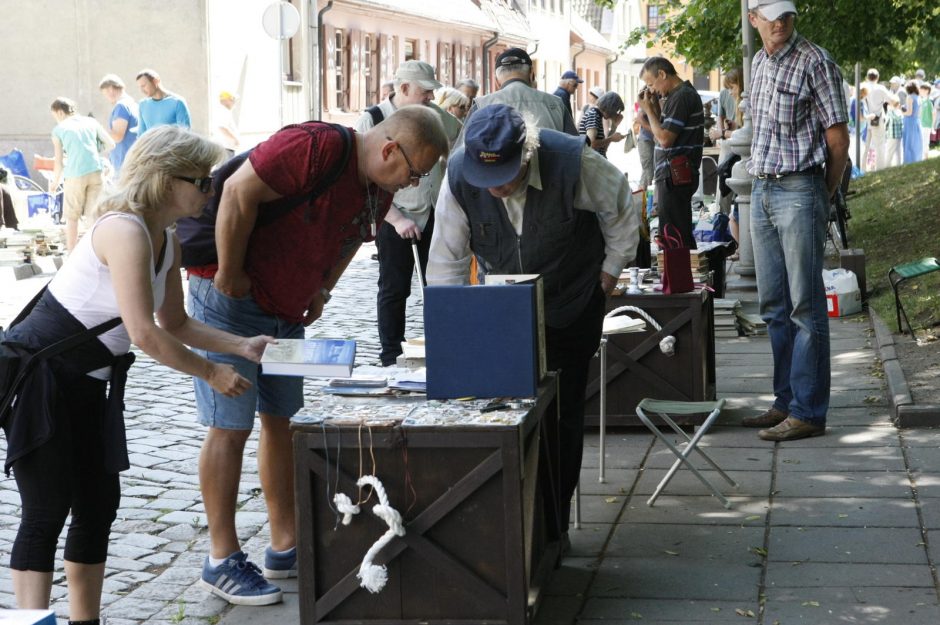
x=481 y=341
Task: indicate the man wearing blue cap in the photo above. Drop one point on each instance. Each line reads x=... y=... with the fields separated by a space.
x=798 y=154
x=530 y=200
x=567 y=87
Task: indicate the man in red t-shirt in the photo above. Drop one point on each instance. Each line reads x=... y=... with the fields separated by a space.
x=278 y=278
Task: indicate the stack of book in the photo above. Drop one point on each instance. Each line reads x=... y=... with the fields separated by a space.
x=726 y=318
x=751 y=324
x=697 y=259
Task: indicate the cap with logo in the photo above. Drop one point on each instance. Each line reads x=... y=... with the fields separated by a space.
x=771 y=9
x=570 y=75
x=493 y=142
x=418 y=72
x=513 y=56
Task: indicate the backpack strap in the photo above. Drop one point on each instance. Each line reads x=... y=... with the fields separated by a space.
x=272 y=214
x=377 y=115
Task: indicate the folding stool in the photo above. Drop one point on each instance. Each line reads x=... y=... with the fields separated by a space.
x=663 y=409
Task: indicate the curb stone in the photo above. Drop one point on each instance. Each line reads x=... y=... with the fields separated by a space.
x=906 y=414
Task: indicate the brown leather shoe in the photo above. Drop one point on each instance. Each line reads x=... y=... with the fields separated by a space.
x=792 y=429
x=766 y=420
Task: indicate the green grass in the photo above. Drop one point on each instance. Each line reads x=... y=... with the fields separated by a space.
x=896 y=219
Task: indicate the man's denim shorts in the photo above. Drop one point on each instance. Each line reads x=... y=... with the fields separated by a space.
x=275 y=395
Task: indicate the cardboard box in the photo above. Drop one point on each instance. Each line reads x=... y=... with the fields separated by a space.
x=27 y=617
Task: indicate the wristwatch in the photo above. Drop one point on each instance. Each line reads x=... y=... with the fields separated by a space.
x=325 y=292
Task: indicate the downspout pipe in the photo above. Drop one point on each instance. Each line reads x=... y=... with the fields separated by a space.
x=574 y=59
x=607 y=70
x=321 y=47
x=486 y=60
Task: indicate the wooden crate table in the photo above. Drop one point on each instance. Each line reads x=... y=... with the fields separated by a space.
x=475 y=547
x=636 y=368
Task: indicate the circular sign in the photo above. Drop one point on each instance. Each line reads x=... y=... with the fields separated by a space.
x=281 y=20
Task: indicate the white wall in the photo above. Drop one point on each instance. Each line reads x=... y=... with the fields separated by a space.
x=57 y=48
x=245 y=61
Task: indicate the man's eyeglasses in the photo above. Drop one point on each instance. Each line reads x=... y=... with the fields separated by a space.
x=413 y=173
x=203 y=184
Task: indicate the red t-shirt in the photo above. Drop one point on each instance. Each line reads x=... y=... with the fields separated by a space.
x=289 y=259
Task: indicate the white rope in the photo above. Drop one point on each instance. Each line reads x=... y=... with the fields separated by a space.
x=345 y=507
x=667 y=346
x=372 y=576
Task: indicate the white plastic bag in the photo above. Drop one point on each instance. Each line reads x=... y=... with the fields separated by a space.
x=843 y=296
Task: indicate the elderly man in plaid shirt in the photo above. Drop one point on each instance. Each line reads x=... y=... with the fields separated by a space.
x=798 y=154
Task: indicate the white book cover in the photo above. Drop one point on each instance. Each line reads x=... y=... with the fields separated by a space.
x=318 y=358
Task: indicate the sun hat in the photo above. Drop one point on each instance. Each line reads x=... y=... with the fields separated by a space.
x=418 y=72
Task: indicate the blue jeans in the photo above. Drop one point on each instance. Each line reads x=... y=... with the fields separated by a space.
x=788 y=229
x=276 y=395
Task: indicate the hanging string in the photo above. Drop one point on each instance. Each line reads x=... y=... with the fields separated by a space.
x=409 y=482
x=326 y=453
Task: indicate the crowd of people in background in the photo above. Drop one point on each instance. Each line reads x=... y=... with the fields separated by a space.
x=897 y=122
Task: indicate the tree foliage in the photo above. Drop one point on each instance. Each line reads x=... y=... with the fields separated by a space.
x=893 y=35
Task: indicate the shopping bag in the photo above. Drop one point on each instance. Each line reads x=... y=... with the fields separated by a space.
x=677 y=266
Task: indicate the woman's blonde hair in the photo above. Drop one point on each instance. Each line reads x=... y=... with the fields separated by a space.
x=155 y=158
x=451 y=97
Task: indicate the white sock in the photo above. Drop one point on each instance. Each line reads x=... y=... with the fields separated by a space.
x=281 y=553
x=216 y=562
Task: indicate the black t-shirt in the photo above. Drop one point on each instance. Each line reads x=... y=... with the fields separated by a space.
x=682 y=113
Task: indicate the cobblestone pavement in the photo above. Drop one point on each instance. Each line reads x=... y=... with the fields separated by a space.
x=159 y=539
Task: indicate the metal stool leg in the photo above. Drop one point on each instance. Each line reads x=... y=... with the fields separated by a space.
x=602 y=416
x=577 y=506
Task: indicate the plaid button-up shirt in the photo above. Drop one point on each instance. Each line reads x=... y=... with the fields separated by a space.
x=795 y=95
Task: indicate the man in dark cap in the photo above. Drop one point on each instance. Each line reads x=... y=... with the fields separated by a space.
x=567 y=87
x=530 y=200
x=514 y=77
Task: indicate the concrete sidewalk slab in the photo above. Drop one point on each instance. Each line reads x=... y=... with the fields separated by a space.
x=840 y=459
x=612 y=610
x=691 y=509
x=667 y=577
x=843 y=484
x=845 y=512
x=838 y=606
x=686 y=542
x=898 y=545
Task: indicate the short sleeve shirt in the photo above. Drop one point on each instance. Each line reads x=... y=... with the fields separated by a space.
x=683 y=114
x=593 y=119
x=289 y=259
x=125 y=109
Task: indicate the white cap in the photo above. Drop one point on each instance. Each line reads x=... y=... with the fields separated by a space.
x=771 y=9
x=596 y=91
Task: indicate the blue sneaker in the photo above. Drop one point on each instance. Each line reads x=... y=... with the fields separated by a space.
x=239 y=581
x=280 y=565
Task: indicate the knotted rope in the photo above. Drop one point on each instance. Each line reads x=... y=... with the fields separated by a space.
x=373 y=577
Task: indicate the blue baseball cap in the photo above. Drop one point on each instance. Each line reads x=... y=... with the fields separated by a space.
x=493 y=142
x=570 y=75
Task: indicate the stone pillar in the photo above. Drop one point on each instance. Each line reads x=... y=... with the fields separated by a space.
x=740 y=182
